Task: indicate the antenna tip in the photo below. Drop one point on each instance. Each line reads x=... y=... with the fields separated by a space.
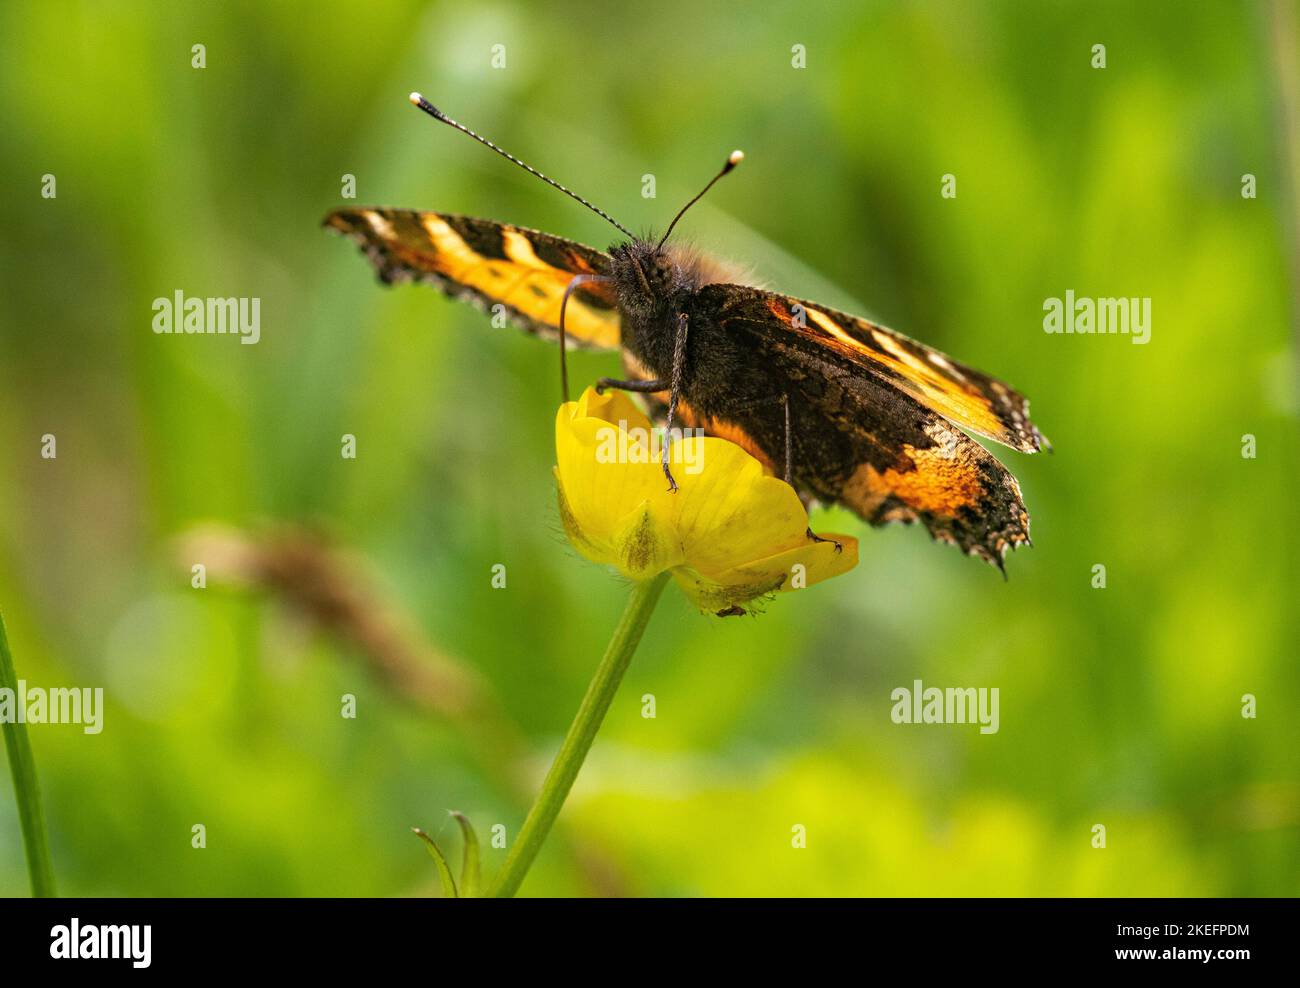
x=420 y=102
x=736 y=158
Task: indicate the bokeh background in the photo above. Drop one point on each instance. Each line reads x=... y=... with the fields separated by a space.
x=372 y=576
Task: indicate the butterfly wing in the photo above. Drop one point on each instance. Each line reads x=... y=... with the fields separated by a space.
x=489 y=264
x=961 y=394
x=859 y=438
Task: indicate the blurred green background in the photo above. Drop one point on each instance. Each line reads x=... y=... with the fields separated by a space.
x=1119 y=706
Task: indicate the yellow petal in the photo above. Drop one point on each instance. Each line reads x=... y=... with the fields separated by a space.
x=778 y=573
x=614 y=407
x=609 y=485
x=820 y=561
x=601 y=492
x=731 y=512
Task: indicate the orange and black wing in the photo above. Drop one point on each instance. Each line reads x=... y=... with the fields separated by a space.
x=860 y=438
x=961 y=394
x=490 y=264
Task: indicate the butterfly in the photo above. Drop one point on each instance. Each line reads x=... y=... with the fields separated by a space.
x=847 y=411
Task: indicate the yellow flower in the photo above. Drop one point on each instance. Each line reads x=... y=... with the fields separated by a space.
x=730 y=534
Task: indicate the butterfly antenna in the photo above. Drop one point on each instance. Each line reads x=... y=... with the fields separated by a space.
x=735 y=158
x=433 y=111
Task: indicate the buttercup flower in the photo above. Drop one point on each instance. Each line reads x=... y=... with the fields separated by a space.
x=730 y=534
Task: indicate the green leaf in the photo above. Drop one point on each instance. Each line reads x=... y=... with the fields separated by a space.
x=444 y=872
x=469 y=869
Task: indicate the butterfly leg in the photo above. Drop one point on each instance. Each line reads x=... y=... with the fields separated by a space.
x=675 y=389
x=784 y=399
x=648 y=387
x=789 y=446
x=581 y=279
x=839 y=546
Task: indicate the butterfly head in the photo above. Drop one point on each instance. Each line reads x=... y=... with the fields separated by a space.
x=649 y=282
x=653 y=279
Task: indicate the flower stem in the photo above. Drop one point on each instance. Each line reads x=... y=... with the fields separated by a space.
x=582 y=732
x=26 y=790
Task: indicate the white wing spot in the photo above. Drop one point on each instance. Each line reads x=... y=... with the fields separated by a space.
x=379 y=224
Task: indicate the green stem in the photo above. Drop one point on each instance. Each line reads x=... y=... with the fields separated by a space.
x=26 y=790
x=582 y=732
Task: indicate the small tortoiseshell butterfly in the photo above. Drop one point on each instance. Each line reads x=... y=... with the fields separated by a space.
x=848 y=411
